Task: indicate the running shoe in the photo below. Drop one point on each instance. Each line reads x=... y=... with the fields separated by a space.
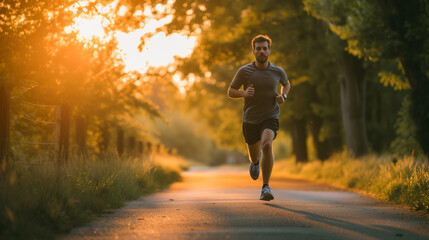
x=266 y=194
x=254 y=171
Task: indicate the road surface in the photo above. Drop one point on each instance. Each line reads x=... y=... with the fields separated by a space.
x=220 y=203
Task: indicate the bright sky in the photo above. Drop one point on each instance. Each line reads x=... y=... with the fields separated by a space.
x=158 y=50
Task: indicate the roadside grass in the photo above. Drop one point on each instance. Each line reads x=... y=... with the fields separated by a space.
x=38 y=203
x=401 y=181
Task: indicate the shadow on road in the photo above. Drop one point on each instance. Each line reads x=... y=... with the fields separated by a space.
x=376 y=231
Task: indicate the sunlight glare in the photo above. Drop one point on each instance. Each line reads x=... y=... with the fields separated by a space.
x=90 y=27
x=181 y=84
x=122 y=11
x=105 y=9
x=184 y=84
x=160 y=50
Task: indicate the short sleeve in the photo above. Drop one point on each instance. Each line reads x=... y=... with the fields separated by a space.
x=283 y=79
x=238 y=79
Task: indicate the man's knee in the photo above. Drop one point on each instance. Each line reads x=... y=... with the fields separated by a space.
x=267 y=146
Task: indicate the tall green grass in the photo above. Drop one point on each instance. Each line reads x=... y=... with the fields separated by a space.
x=401 y=181
x=37 y=202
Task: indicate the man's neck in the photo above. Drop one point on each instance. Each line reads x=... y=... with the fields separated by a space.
x=261 y=66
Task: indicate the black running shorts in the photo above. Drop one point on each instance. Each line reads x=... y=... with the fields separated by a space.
x=252 y=132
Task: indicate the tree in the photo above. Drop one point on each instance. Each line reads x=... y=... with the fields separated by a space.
x=387 y=31
x=43 y=61
x=353 y=96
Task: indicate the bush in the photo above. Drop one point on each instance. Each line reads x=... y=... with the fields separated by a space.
x=38 y=203
x=403 y=181
x=405 y=142
x=406 y=182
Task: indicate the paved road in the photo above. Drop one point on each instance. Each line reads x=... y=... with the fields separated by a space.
x=223 y=204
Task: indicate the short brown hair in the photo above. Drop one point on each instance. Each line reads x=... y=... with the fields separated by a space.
x=261 y=38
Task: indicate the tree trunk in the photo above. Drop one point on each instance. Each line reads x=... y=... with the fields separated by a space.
x=352 y=92
x=299 y=139
x=104 y=139
x=4 y=128
x=323 y=148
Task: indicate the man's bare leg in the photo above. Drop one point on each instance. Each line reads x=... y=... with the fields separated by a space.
x=268 y=158
x=254 y=152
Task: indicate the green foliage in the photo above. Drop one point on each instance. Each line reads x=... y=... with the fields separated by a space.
x=391 y=73
x=403 y=181
x=406 y=182
x=192 y=141
x=383 y=106
x=221 y=115
x=300 y=45
x=387 y=31
x=405 y=142
x=338 y=170
x=38 y=203
x=374 y=29
x=391 y=79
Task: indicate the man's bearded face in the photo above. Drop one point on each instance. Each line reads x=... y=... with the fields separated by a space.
x=261 y=52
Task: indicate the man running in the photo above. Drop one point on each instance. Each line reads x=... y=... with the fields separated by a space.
x=261 y=108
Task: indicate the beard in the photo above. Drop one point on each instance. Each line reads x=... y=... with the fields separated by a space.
x=262 y=59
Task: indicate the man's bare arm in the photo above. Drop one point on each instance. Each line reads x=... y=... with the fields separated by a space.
x=286 y=88
x=235 y=93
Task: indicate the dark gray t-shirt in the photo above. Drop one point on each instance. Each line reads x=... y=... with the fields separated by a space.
x=263 y=104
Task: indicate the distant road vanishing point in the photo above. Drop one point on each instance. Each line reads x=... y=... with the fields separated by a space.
x=222 y=203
